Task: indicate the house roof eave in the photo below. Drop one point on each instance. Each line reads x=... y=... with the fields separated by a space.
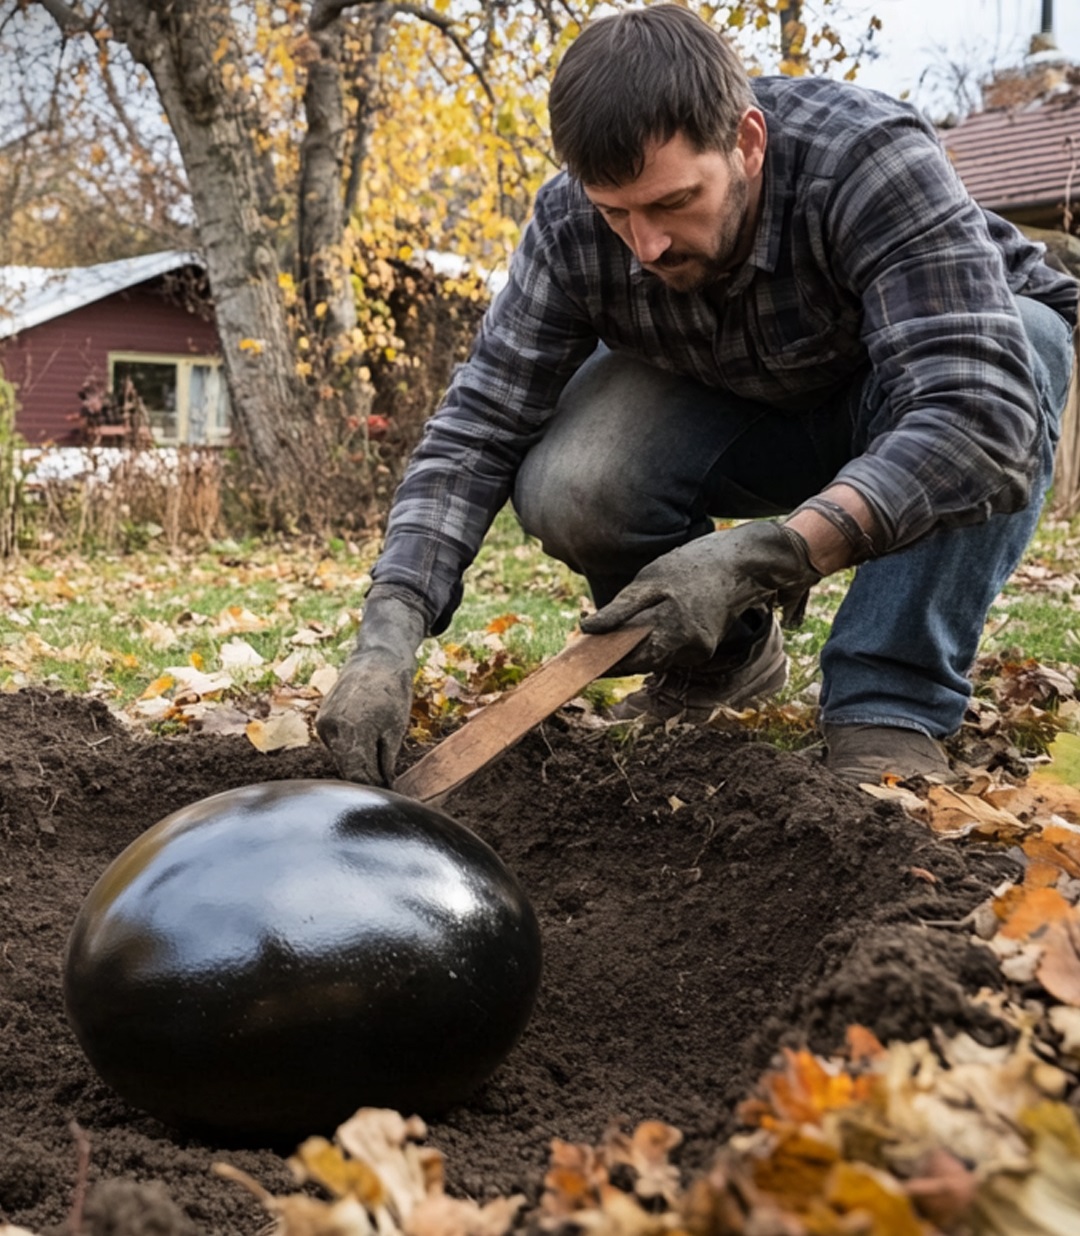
x=31 y=295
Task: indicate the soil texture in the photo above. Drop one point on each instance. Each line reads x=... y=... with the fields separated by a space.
x=702 y=899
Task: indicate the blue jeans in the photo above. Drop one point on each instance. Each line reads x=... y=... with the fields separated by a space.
x=637 y=462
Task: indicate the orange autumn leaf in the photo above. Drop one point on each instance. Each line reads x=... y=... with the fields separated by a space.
x=804 y=1091
x=566 y=1190
x=502 y=624
x=1057 y=845
x=863 y=1045
x=571 y=1180
x=1033 y=910
x=1041 y=874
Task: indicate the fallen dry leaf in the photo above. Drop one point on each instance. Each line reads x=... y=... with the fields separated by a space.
x=943 y=1189
x=386 y=1141
x=217 y=719
x=953 y=813
x=279 y=731
x=875 y=1197
x=238 y=654
x=192 y=679
x=1026 y=910
x=323 y=679
x=1065 y=1020
x=285 y=671
x=1044 y=1200
x=236 y=620
x=161 y=684
x=159 y=635
x=439 y=1215
x=320 y=1160
x=297 y=1215
x=573 y=1179
x=646 y=1150
x=1059 y=968
x=382 y=1184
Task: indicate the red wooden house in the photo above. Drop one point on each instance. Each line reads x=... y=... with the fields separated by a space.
x=113 y=353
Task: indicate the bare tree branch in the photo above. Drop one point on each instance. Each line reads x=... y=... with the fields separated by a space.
x=446 y=25
x=160 y=170
x=67 y=17
x=324 y=12
x=364 y=93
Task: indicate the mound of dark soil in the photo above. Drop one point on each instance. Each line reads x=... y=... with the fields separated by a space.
x=702 y=900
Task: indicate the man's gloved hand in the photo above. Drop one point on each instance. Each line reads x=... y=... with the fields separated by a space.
x=692 y=595
x=364 y=718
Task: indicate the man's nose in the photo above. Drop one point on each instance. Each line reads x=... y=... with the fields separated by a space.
x=649 y=241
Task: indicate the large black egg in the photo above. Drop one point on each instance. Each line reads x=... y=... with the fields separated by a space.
x=260 y=964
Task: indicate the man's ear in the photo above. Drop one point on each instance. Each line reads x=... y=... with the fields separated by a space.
x=751 y=141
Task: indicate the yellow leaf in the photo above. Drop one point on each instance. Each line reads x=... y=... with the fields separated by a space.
x=161 y=684
x=855 y=1188
x=255 y=346
x=324 y=1162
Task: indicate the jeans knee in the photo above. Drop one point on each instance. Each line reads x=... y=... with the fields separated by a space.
x=576 y=515
x=1052 y=345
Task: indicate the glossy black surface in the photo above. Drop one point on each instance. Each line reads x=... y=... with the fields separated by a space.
x=265 y=961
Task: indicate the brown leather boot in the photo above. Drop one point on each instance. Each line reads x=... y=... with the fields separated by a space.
x=868 y=753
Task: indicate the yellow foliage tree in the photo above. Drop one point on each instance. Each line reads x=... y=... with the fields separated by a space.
x=326 y=142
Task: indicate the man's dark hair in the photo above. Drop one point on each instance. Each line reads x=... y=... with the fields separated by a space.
x=642 y=76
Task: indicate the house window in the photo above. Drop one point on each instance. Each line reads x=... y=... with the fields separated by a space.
x=184 y=397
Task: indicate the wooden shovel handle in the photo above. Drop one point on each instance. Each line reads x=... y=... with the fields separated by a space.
x=497 y=727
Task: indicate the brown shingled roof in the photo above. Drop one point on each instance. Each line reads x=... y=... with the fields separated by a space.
x=1016 y=158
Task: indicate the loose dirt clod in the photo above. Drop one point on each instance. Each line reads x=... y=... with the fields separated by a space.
x=701 y=900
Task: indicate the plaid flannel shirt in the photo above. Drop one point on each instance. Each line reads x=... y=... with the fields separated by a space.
x=869 y=255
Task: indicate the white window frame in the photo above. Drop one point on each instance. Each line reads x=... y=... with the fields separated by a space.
x=184 y=364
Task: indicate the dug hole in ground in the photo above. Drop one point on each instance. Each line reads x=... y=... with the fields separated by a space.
x=703 y=900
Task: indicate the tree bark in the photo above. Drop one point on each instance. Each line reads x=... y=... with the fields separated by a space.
x=180 y=43
x=363 y=88
x=323 y=270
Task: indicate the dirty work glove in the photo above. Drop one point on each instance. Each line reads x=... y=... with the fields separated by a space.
x=692 y=595
x=364 y=718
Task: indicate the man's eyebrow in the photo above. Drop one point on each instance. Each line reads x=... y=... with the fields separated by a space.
x=682 y=191
x=664 y=199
